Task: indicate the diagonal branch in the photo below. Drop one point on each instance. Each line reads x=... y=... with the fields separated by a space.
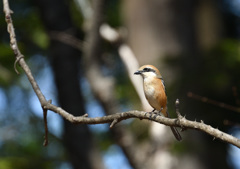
x=213 y=102
x=19 y=57
x=20 y=60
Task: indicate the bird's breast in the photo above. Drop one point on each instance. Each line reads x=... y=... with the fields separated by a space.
x=155 y=94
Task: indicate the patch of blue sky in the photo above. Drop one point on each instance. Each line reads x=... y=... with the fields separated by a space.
x=95 y=110
x=233 y=151
x=114 y=158
x=233 y=6
x=3 y=101
x=65 y=165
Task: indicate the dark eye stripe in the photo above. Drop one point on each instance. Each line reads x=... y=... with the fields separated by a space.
x=148 y=70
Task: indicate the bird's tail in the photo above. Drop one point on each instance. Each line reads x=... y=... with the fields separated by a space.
x=176 y=133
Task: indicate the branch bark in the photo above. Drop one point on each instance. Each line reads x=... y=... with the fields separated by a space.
x=181 y=122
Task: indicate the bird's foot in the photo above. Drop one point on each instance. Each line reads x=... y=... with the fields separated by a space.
x=158 y=112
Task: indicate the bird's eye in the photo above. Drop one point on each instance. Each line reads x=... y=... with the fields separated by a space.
x=148 y=69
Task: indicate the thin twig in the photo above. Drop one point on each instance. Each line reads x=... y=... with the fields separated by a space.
x=66 y=38
x=213 y=102
x=10 y=29
x=114 y=122
x=45 y=143
x=235 y=94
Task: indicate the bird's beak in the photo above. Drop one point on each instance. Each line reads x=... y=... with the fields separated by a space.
x=138 y=72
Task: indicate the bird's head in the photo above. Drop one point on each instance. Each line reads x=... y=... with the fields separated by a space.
x=148 y=71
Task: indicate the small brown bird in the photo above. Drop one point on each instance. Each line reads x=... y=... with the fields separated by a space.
x=154 y=90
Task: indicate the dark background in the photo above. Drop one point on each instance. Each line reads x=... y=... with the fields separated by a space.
x=195 y=45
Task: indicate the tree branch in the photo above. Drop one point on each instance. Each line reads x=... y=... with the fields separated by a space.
x=113 y=118
x=179 y=122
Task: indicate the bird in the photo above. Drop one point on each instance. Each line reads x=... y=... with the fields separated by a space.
x=154 y=90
